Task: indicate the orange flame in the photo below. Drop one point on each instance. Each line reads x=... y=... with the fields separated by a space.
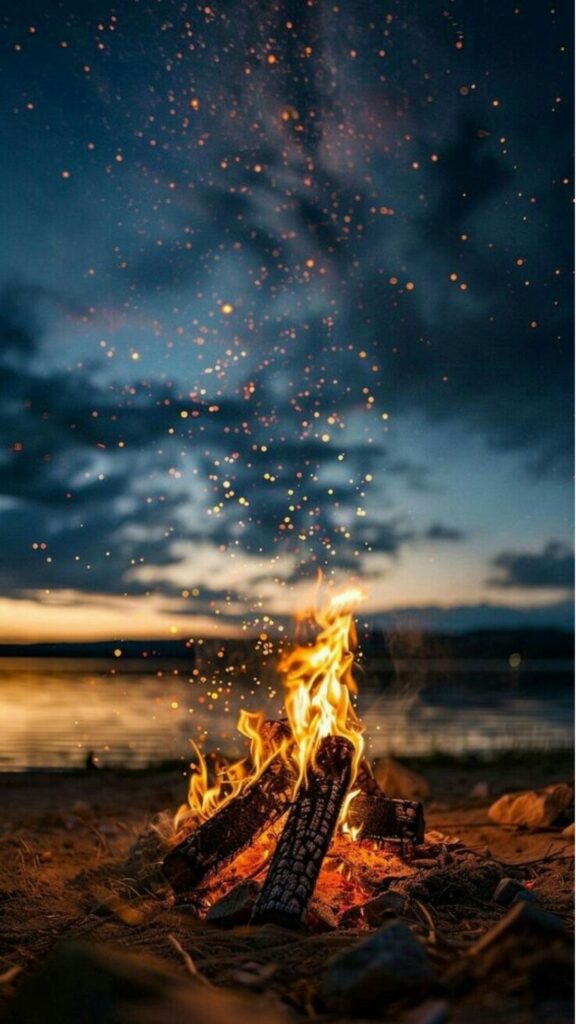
x=318 y=682
x=205 y=799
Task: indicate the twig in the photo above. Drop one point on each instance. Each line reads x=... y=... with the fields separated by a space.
x=10 y=974
x=433 y=936
x=188 y=961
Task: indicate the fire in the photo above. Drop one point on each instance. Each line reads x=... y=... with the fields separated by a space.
x=318 y=684
x=205 y=799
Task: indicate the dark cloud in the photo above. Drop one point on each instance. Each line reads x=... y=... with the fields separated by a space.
x=74 y=478
x=551 y=567
x=441 y=532
x=385 y=212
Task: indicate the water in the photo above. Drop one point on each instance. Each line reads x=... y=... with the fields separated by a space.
x=54 y=711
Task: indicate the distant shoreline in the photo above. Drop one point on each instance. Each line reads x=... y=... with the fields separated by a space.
x=531 y=644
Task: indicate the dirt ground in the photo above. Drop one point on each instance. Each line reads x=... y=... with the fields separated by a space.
x=65 y=840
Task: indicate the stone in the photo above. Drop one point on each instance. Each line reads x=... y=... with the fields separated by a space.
x=509 y=890
x=99 y=984
x=320 y=917
x=236 y=906
x=387 y=967
x=353 y=919
x=431 y=1011
x=82 y=809
x=377 y=910
x=534 y=808
x=396 y=780
x=568 y=832
x=526 y=938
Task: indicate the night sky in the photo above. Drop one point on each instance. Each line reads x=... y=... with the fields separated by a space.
x=284 y=286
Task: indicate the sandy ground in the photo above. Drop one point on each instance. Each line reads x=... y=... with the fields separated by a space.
x=64 y=837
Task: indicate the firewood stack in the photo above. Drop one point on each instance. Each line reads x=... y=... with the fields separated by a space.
x=311 y=812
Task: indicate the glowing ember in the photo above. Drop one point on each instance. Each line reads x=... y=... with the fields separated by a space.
x=276 y=813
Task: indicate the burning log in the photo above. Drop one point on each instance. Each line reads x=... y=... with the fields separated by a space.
x=309 y=828
x=381 y=818
x=238 y=823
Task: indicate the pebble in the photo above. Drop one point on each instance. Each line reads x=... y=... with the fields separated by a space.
x=431 y=1011
x=320 y=917
x=509 y=890
x=389 y=966
x=534 y=808
x=376 y=911
x=236 y=906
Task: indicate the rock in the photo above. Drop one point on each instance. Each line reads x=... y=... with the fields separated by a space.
x=236 y=906
x=535 y=808
x=509 y=890
x=481 y=791
x=320 y=917
x=383 y=906
x=82 y=809
x=387 y=967
x=353 y=918
x=98 y=984
x=525 y=934
x=528 y=954
x=396 y=780
x=568 y=832
x=254 y=975
x=431 y=1011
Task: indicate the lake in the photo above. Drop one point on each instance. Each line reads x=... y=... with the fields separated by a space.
x=53 y=711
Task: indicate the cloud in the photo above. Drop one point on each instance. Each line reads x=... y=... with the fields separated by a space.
x=441 y=532
x=551 y=567
x=89 y=494
x=309 y=193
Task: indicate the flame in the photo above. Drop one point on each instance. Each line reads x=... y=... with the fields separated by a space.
x=204 y=798
x=319 y=682
x=318 y=685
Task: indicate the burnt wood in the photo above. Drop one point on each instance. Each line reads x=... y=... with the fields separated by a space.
x=306 y=836
x=365 y=780
x=383 y=819
x=231 y=829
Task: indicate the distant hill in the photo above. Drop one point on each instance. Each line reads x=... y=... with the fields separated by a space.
x=182 y=649
x=545 y=644
x=535 y=644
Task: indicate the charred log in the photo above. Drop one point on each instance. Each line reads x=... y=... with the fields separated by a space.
x=365 y=780
x=306 y=836
x=231 y=829
x=382 y=818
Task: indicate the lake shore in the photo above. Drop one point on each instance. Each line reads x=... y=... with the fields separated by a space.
x=65 y=839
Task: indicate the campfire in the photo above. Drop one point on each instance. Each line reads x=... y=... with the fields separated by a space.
x=304 y=805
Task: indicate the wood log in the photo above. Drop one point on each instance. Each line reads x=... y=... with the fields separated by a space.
x=231 y=829
x=384 y=819
x=365 y=780
x=306 y=836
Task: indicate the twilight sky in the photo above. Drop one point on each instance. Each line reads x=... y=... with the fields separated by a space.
x=284 y=286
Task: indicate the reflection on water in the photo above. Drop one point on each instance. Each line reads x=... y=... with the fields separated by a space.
x=53 y=712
